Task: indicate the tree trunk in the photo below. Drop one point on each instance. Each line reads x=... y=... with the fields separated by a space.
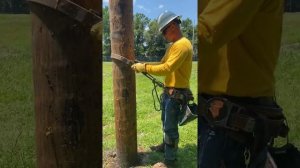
x=67 y=90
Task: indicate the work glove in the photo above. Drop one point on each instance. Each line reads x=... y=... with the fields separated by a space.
x=96 y=31
x=139 y=67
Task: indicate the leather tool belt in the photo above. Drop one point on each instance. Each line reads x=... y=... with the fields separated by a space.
x=183 y=96
x=221 y=112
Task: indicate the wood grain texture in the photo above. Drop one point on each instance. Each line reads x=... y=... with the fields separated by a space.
x=122 y=43
x=67 y=90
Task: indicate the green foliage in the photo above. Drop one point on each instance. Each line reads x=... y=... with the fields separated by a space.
x=156 y=45
x=149 y=44
x=140 y=23
x=187 y=28
x=14 y=6
x=106 y=35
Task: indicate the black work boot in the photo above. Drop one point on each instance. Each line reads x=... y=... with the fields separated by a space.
x=158 y=148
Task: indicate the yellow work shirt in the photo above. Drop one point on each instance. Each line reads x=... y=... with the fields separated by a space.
x=176 y=64
x=239 y=43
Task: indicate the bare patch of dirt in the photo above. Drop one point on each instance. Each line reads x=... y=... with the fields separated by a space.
x=110 y=159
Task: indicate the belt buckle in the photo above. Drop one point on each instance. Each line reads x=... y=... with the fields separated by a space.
x=169 y=90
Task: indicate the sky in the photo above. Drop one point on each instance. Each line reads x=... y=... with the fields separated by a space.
x=153 y=8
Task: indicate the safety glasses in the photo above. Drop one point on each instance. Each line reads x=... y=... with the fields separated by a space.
x=165 y=30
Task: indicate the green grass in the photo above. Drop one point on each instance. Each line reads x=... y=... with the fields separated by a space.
x=17 y=142
x=288 y=74
x=148 y=120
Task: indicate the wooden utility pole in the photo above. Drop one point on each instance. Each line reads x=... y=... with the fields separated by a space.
x=67 y=84
x=122 y=42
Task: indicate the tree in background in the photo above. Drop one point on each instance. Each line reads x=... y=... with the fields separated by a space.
x=195 y=43
x=140 y=24
x=14 y=6
x=187 y=28
x=106 y=52
x=189 y=31
x=292 y=5
x=149 y=44
x=155 y=43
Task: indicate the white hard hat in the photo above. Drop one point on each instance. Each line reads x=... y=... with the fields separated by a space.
x=165 y=18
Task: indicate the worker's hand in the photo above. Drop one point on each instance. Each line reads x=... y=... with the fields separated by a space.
x=139 y=67
x=96 y=31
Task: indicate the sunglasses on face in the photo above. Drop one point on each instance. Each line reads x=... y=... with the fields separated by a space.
x=164 y=32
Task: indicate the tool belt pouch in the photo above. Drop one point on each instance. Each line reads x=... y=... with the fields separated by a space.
x=188 y=111
x=182 y=96
x=285 y=156
x=270 y=124
x=188 y=114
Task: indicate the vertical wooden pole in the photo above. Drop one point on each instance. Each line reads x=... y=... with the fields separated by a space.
x=122 y=42
x=67 y=89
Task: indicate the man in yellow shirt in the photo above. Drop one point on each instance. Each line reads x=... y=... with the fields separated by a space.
x=239 y=43
x=176 y=66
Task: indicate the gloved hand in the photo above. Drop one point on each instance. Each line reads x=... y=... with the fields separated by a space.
x=96 y=31
x=139 y=67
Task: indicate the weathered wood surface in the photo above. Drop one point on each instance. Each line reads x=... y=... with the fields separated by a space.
x=67 y=90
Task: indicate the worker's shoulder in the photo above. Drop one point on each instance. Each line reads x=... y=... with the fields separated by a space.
x=183 y=43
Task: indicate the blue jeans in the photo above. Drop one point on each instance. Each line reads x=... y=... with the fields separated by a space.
x=169 y=117
x=217 y=148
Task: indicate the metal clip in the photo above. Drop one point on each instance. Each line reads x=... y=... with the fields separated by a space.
x=247 y=157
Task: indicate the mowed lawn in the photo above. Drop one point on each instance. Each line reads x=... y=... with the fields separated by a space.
x=17 y=142
x=17 y=127
x=149 y=129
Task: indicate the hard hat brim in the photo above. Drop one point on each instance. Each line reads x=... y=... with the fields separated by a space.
x=161 y=29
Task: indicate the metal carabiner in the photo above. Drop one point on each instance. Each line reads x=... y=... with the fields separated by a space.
x=247 y=156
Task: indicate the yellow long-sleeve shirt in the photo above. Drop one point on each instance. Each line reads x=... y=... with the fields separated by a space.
x=176 y=64
x=239 y=43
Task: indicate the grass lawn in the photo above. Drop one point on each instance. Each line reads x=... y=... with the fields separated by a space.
x=148 y=120
x=17 y=142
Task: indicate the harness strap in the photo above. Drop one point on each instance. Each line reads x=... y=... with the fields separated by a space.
x=122 y=59
x=236 y=117
x=229 y=116
x=85 y=17
x=182 y=94
x=243 y=122
x=155 y=82
x=131 y=62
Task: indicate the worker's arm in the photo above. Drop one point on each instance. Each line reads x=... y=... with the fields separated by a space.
x=223 y=20
x=153 y=63
x=177 y=55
